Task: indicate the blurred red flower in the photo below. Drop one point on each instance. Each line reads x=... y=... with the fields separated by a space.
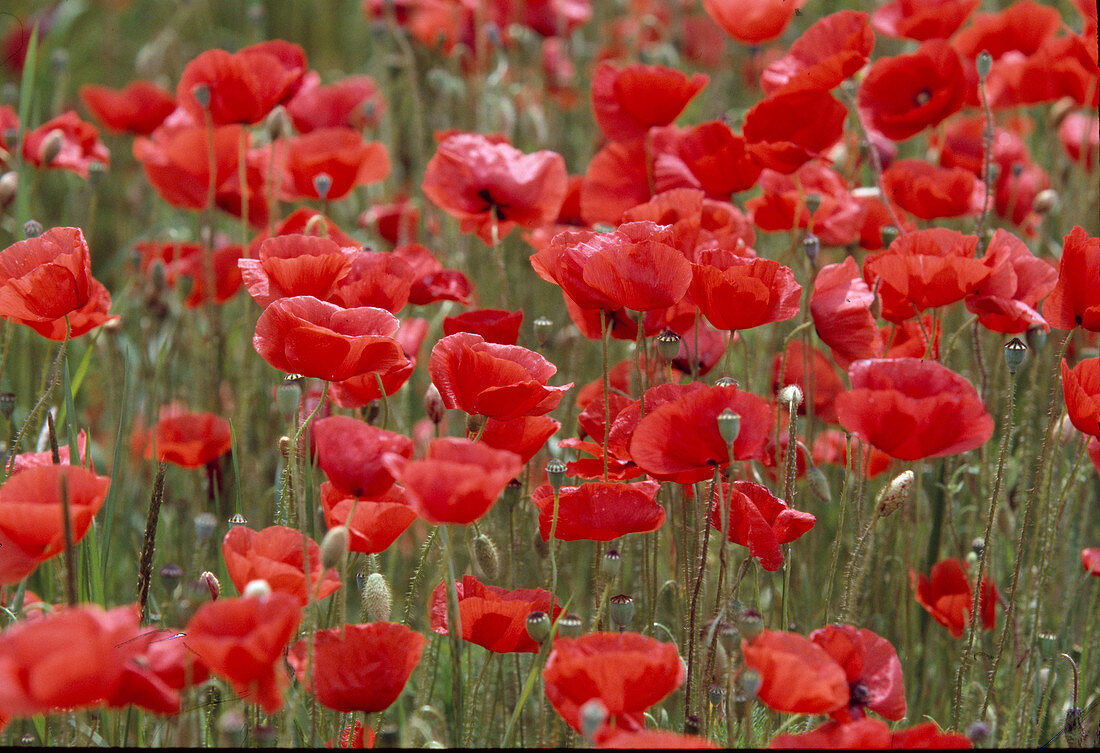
x=1075 y=300
x=396 y=222
x=962 y=144
x=493 y=325
x=307 y=336
x=350 y=453
x=831 y=447
x=599 y=512
x=358 y=667
x=274 y=554
x=328 y=163
x=752 y=21
x=922 y=19
x=708 y=156
x=187 y=260
x=948 y=596
x=352 y=102
x=242 y=87
x=1015 y=192
x=376 y=521
x=524 y=436
x=78 y=145
x=491 y=617
x=290 y=265
x=1079 y=135
x=627 y=672
x=358 y=391
x=836 y=221
x=24 y=460
x=832 y=49
x=737 y=293
x=189 y=440
x=1081 y=388
x=652 y=739
x=355 y=736
x=786 y=130
x=931 y=192
x=242 y=641
x=911 y=408
x=431 y=282
x=1090 y=560
x=137 y=108
x=759 y=520
x=822 y=386
x=903 y=95
x=627 y=102
x=46 y=277
x=1008 y=300
x=457 y=481
x=870 y=734
x=483 y=180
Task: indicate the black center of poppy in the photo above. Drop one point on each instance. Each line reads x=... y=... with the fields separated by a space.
x=922 y=97
x=491 y=204
x=858 y=695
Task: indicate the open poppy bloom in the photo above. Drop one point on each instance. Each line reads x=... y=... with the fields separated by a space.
x=1008 y=301
x=833 y=48
x=911 y=408
x=361 y=390
x=922 y=19
x=352 y=102
x=187 y=260
x=350 y=453
x=431 y=282
x=708 y=156
x=491 y=617
x=628 y=672
x=871 y=667
x=733 y=292
x=903 y=95
x=457 y=481
x=31 y=521
x=494 y=325
x=358 y=667
x=628 y=102
x=948 y=596
x=274 y=554
x=375 y=522
x=797 y=675
x=839 y=215
x=46 y=277
x=94 y=313
x=599 y=512
x=291 y=265
x=484 y=181
x=759 y=520
x=381 y=280
x=786 y=130
x=1075 y=300
x=753 y=21
x=871 y=734
x=138 y=108
x=341 y=154
x=307 y=336
x=189 y=440
x=617 y=179
x=1081 y=389
x=79 y=145
x=931 y=192
x=524 y=436
x=243 y=87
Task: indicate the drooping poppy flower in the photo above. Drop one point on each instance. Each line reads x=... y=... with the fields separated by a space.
x=786 y=130
x=375 y=279
x=375 y=522
x=189 y=440
x=352 y=102
x=922 y=19
x=78 y=145
x=759 y=520
x=290 y=265
x=1008 y=300
x=245 y=86
x=797 y=675
x=832 y=49
x=350 y=453
x=80 y=321
x=616 y=180
x=870 y=734
x=457 y=481
x=484 y=181
x=1079 y=135
x=948 y=596
x=871 y=667
x=242 y=641
x=903 y=95
x=1090 y=560
x=274 y=554
x=599 y=512
x=524 y=436
x=709 y=157
x=307 y=336
x=493 y=325
x=498 y=381
x=912 y=409
x=652 y=739
x=821 y=385
x=46 y=277
x=754 y=21
x=627 y=102
x=491 y=617
x=31 y=521
x=831 y=447
x=1075 y=300
x=1081 y=389
x=680 y=441
x=431 y=282
x=357 y=667
x=836 y=221
x=737 y=293
x=931 y=192
x=358 y=391
x=188 y=260
x=138 y=108
x=628 y=672
x=328 y=163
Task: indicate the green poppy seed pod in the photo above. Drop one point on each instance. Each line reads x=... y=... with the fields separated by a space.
x=288 y=395
x=7 y=404
x=819 y=484
x=51 y=146
x=9 y=186
x=977 y=732
x=485 y=556
x=334 y=547
x=730 y=638
x=811 y=246
x=433 y=405
x=726 y=382
x=377 y=599
x=171 y=575
x=1015 y=354
x=813 y=202
x=895 y=494
x=474 y=423
x=668 y=345
x=889 y=235
x=205 y=526
x=791 y=396
x=1036 y=339
x=322 y=183
x=231 y=728
x=984 y=62
x=729 y=426
x=210 y=581
x=1047 y=642
x=236 y=519
x=95 y=173
x=570 y=626
x=32 y=229
x=543 y=329
x=750 y=623
x=1045 y=201
x=512 y=492
x=555 y=473
x=593 y=714
x=716 y=694
x=621 y=610
x=611 y=563
x=538 y=626
x=201 y=93
x=277 y=124
x=750 y=682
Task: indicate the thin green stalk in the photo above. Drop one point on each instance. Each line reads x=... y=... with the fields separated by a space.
x=605 y=329
x=454 y=631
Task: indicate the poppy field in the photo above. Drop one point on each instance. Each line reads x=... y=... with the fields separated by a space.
x=550 y=373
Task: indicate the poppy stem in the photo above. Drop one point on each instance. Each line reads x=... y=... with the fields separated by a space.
x=454 y=631
x=385 y=400
x=692 y=637
x=553 y=553
x=414 y=582
x=604 y=332
x=55 y=377
x=840 y=523
x=148 y=545
x=498 y=256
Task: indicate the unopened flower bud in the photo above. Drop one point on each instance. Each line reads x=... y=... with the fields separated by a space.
x=538 y=626
x=611 y=564
x=205 y=526
x=377 y=599
x=984 y=62
x=277 y=124
x=791 y=396
x=32 y=229
x=750 y=623
x=668 y=345
x=895 y=494
x=813 y=202
x=593 y=714
x=201 y=93
x=512 y=492
x=751 y=682
x=236 y=519
x=543 y=329
x=570 y=626
x=210 y=580
x=170 y=576
x=555 y=473
x=811 y=246
x=95 y=173
x=322 y=183
x=9 y=186
x=284 y=446
x=819 y=484
x=433 y=405
x=474 y=423
x=485 y=556
x=1015 y=353
x=621 y=610
x=51 y=146
x=334 y=547
x=1045 y=201
x=889 y=235
x=729 y=426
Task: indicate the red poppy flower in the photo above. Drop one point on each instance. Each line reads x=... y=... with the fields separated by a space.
x=171 y=661
x=358 y=391
x=737 y=293
x=457 y=481
x=493 y=325
x=1090 y=560
x=1015 y=192
x=243 y=87
x=962 y=144
x=627 y=672
x=375 y=523
x=912 y=409
x=137 y=108
x=754 y=21
x=1081 y=388
x=759 y=520
x=653 y=739
x=381 y=280
x=339 y=153
x=25 y=460
x=870 y=734
x=617 y=179
x=397 y=222
x=483 y=180
x=931 y=192
x=1075 y=300
x=709 y=156
x=304 y=221
x=822 y=386
x=922 y=19
x=871 y=667
x=498 y=381
x=274 y=554
x=303 y=335
x=80 y=145
x=784 y=131
x=242 y=641
x=836 y=221
x=524 y=436
x=876 y=216
x=291 y=265
x=948 y=596
x=352 y=102
x=903 y=95
x=493 y=618
x=82 y=320
x=599 y=512
x=431 y=282
x=31 y=529
x=46 y=277
x=357 y=667
x=1080 y=138
x=627 y=102
x=832 y=49
x=350 y=453
x=831 y=448
x=841 y=309
x=1008 y=301
x=679 y=441
x=187 y=260
x=189 y=440
x=797 y=675
x=925 y=269
x=355 y=736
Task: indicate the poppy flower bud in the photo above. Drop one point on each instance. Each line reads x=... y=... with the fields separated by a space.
x=32 y=229
x=257 y=589
x=512 y=493
x=978 y=732
x=205 y=526
x=278 y=124
x=232 y=727
x=1015 y=353
x=751 y=682
x=377 y=600
x=210 y=580
x=977 y=545
x=895 y=494
x=201 y=93
x=485 y=556
x=593 y=714
x=334 y=547
x=555 y=473
x=284 y=446
x=51 y=146
x=570 y=626
x=170 y=576
x=621 y=610
x=7 y=404
x=791 y=396
x=322 y=183
x=9 y=186
x=538 y=626
x=819 y=484
x=543 y=328
x=611 y=564
x=433 y=405
x=474 y=423
x=811 y=246
x=668 y=345
x=288 y=395
x=1044 y=201
x=729 y=426
x=730 y=638
x=750 y=623
x=236 y=519
x=813 y=202
x=889 y=235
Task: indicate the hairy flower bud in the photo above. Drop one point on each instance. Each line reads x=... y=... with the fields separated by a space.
x=433 y=405
x=791 y=396
x=485 y=556
x=210 y=580
x=334 y=547
x=895 y=494
x=377 y=599
x=51 y=146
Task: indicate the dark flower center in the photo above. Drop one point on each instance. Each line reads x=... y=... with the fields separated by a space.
x=492 y=205
x=858 y=694
x=922 y=97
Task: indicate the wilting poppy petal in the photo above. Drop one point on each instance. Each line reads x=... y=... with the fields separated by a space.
x=949 y=597
x=1008 y=300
